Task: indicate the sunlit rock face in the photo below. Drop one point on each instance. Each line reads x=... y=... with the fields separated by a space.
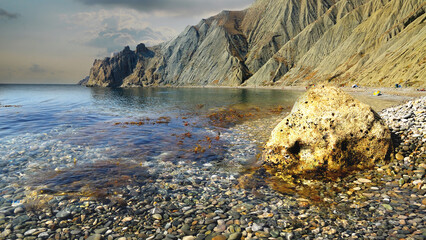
x=328 y=130
x=284 y=42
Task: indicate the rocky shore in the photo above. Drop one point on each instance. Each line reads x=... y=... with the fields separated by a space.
x=229 y=200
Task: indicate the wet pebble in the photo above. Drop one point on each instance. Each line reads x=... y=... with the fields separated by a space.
x=191 y=201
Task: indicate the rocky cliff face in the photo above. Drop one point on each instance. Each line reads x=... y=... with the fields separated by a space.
x=284 y=42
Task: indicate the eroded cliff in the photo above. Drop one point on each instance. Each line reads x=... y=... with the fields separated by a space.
x=284 y=42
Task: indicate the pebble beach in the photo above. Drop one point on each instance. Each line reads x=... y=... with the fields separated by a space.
x=236 y=199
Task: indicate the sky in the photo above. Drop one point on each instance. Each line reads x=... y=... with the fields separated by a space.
x=56 y=41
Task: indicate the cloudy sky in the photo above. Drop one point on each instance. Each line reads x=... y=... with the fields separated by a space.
x=56 y=41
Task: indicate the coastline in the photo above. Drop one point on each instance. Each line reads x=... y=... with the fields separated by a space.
x=408 y=93
x=214 y=201
x=389 y=96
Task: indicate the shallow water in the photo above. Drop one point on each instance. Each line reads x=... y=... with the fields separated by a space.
x=50 y=135
x=64 y=138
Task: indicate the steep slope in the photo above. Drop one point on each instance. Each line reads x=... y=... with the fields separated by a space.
x=284 y=42
x=372 y=44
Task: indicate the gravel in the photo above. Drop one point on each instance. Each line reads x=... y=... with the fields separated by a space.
x=236 y=199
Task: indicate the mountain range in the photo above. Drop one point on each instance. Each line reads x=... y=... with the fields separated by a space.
x=283 y=43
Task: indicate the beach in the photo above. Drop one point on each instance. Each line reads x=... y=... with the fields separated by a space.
x=235 y=198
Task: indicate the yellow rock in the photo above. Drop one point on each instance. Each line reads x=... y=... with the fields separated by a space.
x=399 y=157
x=219 y=237
x=328 y=130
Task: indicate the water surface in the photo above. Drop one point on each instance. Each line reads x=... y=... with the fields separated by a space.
x=60 y=135
x=65 y=138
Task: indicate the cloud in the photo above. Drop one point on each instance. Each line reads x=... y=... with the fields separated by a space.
x=114 y=29
x=35 y=68
x=7 y=15
x=114 y=40
x=174 y=7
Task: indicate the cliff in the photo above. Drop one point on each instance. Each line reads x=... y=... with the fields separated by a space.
x=284 y=42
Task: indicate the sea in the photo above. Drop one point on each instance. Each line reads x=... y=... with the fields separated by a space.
x=66 y=137
x=71 y=139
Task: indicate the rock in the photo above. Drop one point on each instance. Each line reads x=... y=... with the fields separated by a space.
x=256 y=227
x=5 y=233
x=75 y=232
x=84 y=81
x=64 y=214
x=95 y=237
x=399 y=157
x=328 y=130
x=220 y=228
x=266 y=45
x=156 y=210
x=101 y=230
x=188 y=238
x=235 y=236
x=43 y=235
x=19 y=210
x=186 y=229
x=111 y=72
x=364 y=180
x=30 y=232
x=289 y=235
x=388 y=207
x=219 y=237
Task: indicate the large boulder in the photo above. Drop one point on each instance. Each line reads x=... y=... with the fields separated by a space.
x=328 y=131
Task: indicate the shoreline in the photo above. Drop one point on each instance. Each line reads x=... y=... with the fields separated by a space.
x=364 y=94
x=389 y=96
x=408 y=92
x=211 y=202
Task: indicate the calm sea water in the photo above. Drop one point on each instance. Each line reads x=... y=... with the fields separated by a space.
x=47 y=129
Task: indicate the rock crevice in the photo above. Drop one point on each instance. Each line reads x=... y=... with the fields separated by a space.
x=284 y=42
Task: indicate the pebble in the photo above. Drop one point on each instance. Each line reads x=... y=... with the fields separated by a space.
x=188 y=238
x=399 y=157
x=100 y=230
x=187 y=200
x=5 y=233
x=75 y=232
x=388 y=207
x=95 y=237
x=364 y=180
x=43 y=235
x=19 y=210
x=235 y=236
x=219 y=237
x=256 y=227
x=64 y=214
x=30 y=232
